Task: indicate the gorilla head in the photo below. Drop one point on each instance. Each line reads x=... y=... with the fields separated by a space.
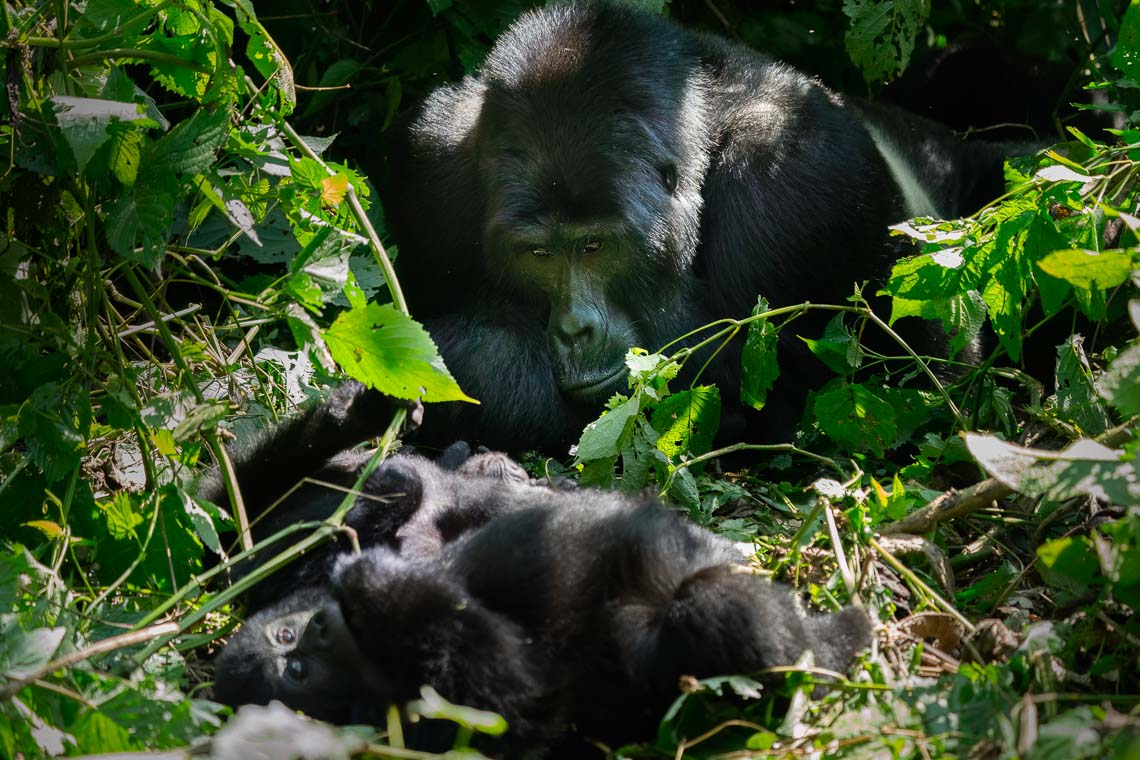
x=301 y=653
x=590 y=165
x=610 y=180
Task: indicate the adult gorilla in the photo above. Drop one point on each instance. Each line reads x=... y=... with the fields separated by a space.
x=610 y=180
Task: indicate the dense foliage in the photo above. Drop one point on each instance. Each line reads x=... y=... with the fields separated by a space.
x=186 y=254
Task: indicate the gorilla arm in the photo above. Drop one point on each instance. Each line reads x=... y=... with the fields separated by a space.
x=420 y=626
x=301 y=446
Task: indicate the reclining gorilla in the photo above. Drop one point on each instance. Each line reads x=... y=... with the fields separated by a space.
x=561 y=610
x=609 y=180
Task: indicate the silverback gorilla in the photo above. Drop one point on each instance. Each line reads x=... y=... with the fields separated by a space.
x=562 y=611
x=609 y=179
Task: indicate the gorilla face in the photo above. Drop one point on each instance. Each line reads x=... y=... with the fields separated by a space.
x=301 y=653
x=592 y=194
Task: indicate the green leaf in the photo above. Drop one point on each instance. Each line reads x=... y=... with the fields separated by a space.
x=1126 y=55
x=22 y=653
x=882 y=35
x=1077 y=400
x=84 y=121
x=432 y=705
x=121 y=516
x=1069 y=563
x=142 y=217
x=49 y=426
x=609 y=434
x=1008 y=282
x=758 y=359
x=110 y=15
x=94 y=733
x=125 y=148
x=687 y=421
x=191 y=146
x=1089 y=270
x=389 y=351
x=1086 y=467
x=1120 y=383
x=837 y=347
x=855 y=418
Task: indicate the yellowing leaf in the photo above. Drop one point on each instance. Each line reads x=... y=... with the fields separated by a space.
x=333 y=190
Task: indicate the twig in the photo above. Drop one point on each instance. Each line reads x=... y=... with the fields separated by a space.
x=99 y=647
x=916 y=581
x=837 y=546
x=953 y=503
x=947 y=506
x=165 y=318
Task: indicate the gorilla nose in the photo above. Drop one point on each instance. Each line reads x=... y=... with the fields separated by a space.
x=318 y=631
x=575 y=330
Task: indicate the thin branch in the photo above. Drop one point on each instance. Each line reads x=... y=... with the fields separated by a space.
x=99 y=647
x=948 y=506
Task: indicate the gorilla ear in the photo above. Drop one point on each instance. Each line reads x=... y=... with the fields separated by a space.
x=669 y=177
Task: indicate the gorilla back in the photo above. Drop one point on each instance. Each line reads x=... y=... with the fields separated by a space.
x=609 y=180
x=566 y=610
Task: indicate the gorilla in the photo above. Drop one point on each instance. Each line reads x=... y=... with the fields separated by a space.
x=301 y=470
x=610 y=180
x=564 y=612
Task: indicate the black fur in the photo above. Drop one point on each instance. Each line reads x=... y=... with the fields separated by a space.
x=301 y=470
x=565 y=610
x=609 y=179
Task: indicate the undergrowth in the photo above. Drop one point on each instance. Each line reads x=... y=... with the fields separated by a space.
x=179 y=266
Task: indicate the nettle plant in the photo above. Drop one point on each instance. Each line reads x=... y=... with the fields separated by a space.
x=142 y=151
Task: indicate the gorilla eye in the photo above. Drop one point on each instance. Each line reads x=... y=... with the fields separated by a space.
x=669 y=178
x=540 y=253
x=592 y=246
x=295 y=669
x=285 y=636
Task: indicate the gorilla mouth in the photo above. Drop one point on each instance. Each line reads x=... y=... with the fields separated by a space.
x=595 y=387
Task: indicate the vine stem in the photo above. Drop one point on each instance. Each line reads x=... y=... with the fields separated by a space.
x=361 y=219
x=99 y=647
x=734 y=325
x=324 y=530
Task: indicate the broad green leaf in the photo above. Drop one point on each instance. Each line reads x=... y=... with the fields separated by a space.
x=190 y=147
x=111 y=15
x=1120 y=383
x=200 y=519
x=1077 y=400
x=963 y=316
x=22 y=652
x=606 y=436
x=121 y=516
x=389 y=351
x=141 y=218
x=687 y=421
x=51 y=431
x=95 y=733
x=1126 y=55
x=1088 y=269
x=882 y=35
x=125 y=151
x=855 y=418
x=1086 y=467
x=837 y=347
x=1069 y=563
x=758 y=359
x=84 y=121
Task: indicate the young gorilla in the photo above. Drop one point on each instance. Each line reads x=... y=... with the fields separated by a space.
x=300 y=471
x=562 y=610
